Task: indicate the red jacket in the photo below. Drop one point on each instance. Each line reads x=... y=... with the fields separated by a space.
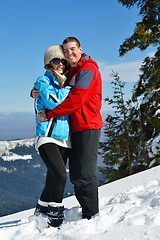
x=83 y=103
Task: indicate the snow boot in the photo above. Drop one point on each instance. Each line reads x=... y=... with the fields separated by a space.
x=41 y=207
x=55 y=215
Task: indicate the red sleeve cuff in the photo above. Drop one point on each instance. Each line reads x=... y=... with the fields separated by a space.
x=49 y=115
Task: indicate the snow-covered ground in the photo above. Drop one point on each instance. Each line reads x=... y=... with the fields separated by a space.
x=129 y=210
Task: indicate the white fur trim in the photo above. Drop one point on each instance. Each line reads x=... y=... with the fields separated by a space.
x=44 y=204
x=42 y=140
x=55 y=204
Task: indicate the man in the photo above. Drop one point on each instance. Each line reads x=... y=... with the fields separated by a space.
x=83 y=105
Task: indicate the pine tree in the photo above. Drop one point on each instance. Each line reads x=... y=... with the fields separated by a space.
x=147 y=90
x=147 y=93
x=120 y=148
x=132 y=140
x=147 y=31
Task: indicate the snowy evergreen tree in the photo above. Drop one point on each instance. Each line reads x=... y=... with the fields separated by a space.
x=147 y=90
x=122 y=136
x=133 y=134
x=147 y=31
x=147 y=93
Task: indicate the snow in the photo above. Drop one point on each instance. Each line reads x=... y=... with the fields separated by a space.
x=149 y=96
x=6 y=146
x=13 y=156
x=155 y=146
x=129 y=210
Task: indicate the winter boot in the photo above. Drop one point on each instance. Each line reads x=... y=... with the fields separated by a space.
x=41 y=207
x=55 y=215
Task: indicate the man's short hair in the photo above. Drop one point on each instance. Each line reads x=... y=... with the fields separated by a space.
x=72 y=39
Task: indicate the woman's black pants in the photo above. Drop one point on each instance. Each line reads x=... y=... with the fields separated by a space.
x=55 y=158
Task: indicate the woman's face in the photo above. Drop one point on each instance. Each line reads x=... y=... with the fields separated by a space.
x=58 y=65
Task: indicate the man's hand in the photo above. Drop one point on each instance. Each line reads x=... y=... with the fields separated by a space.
x=34 y=93
x=42 y=116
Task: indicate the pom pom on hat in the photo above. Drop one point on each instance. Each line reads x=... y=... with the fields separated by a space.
x=54 y=51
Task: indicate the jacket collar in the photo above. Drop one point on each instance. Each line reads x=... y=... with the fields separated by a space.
x=73 y=70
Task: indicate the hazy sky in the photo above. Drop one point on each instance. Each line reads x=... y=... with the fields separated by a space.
x=27 y=28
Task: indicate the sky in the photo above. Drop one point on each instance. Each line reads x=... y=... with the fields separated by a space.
x=29 y=27
x=129 y=210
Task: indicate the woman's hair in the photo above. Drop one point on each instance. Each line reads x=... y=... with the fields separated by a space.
x=72 y=39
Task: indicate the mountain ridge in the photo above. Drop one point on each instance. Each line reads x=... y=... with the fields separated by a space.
x=22 y=176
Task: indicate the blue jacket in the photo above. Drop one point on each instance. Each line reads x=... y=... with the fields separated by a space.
x=51 y=95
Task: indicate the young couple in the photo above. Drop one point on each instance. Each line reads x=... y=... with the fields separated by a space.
x=68 y=101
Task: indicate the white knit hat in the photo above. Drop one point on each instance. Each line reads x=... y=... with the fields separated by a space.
x=54 y=51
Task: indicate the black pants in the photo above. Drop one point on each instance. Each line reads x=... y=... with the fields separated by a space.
x=55 y=158
x=83 y=165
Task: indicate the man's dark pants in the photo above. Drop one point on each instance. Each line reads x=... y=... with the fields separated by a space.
x=83 y=166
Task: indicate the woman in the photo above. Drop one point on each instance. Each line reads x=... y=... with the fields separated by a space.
x=52 y=137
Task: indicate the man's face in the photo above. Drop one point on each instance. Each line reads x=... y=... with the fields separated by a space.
x=72 y=53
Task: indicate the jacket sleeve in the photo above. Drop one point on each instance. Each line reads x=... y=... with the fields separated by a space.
x=78 y=95
x=50 y=96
